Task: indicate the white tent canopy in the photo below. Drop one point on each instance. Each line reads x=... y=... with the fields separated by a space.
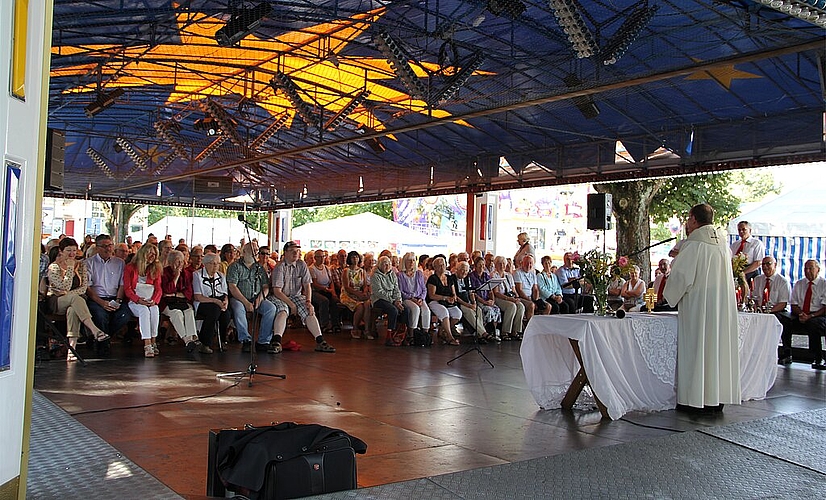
x=800 y=212
x=200 y=230
x=365 y=232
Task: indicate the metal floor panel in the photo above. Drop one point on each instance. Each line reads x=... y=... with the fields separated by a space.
x=68 y=461
x=799 y=438
x=690 y=465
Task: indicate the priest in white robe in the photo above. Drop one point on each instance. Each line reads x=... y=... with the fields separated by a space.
x=700 y=283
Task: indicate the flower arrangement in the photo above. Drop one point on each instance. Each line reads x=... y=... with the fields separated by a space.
x=738 y=266
x=622 y=267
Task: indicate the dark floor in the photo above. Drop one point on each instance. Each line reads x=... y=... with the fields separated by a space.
x=419 y=416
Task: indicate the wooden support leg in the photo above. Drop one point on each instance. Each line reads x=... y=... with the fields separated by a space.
x=579 y=382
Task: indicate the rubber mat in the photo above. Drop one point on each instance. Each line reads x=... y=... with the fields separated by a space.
x=799 y=438
x=68 y=461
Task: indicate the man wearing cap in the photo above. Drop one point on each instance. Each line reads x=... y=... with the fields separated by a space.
x=248 y=288
x=292 y=294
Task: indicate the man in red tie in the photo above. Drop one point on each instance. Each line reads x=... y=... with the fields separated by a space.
x=773 y=291
x=664 y=269
x=808 y=309
x=752 y=248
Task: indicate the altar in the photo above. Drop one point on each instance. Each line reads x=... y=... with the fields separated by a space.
x=631 y=363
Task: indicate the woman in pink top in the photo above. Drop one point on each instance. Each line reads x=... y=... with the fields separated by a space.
x=142 y=286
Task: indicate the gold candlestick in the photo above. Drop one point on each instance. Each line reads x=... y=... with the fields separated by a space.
x=650 y=299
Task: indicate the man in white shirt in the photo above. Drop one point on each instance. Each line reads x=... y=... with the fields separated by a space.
x=808 y=309
x=571 y=283
x=664 y=268
x=752 y=248
x=292 y=294
x=527 y=288
x=773 y=291
x=104 y=296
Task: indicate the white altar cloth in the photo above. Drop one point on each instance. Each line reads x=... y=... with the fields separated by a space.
x=631 y=363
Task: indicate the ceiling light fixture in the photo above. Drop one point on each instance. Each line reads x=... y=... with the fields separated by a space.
x=567 y=13
x=103 y=101
x=627 y=33
x=281 y=81
x=811 y=11
x=100 y=162
x=207 y=125
x=399 y=61
x=268 y=132
x=361 y=185
x=241 y=25
x=585 y=104
x=164 y=129
x=510 y=8
x=139 y=161
x=456 y=81
x=344 y=112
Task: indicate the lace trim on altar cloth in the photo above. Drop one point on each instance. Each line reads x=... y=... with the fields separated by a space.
x=745 y=323
x=657 y=340
x=552 y=396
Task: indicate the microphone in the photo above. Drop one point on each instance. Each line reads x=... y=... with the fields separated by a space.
x=620 y=313
x=241 y=218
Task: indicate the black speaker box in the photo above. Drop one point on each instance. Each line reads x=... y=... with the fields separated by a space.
x=55 y=154
x=599 y=211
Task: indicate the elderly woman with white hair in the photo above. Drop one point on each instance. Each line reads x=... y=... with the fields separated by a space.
x=176 y=301
x=387 y=298
x=414 y=293
x=441 y=295
x=513 y=310
x=209 y=289
x=633 y=290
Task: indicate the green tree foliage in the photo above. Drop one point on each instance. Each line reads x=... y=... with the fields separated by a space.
x=117 y=218
x=303 y=216
x=676 y=196
x=755 y=184
x=258 y=220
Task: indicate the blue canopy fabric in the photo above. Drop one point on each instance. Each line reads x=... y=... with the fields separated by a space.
x=309 y=109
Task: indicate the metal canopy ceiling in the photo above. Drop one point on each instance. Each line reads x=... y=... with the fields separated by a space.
x=704 y=85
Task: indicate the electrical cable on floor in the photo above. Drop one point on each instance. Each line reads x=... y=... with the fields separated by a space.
x=651 y=426
x=765 y=453
x=157 y=403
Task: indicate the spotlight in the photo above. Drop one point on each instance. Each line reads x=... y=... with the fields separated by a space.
x=456 y=82
x=627 y=33
x=375 y=143
x=208 y=125
x=164 y=129
x=361 y=185
x=102 y=101
x=242 y=25
x=510 y=8
x=138 y=160
x=100 y=162
x=224 y=124
x=585 y=104
x=812 y=11
x=283 y=82
x=339 y=117
x=567 y=13
x=399 y=62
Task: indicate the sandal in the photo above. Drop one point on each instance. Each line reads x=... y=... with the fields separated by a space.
x=355 y=333
x=101 y=336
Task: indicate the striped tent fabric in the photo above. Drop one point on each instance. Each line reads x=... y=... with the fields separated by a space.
x=791 y=252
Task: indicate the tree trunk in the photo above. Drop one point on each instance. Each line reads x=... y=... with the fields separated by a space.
x=118 y=216
x=630 y=203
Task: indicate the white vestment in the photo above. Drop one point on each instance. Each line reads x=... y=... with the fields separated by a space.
x=701 y=284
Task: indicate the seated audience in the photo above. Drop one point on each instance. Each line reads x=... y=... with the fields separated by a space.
x=526 y=288
x=808 y=307
x=63 y=287
x=414 y=293
x=227 y=257
x=356 y=296
x=663 y=270
x=513 y=310
x=292 y=293
x=248 y=289
x=571 y=284
x=633 y=291
x=549 y=289
x=385 y=296
x=441 y=295
x=466 y=298
x=773 y=292
x=325 y=299
x=196 y=259
x=142 y=286
x=176 y=301
x=211 y=301
x=104 y=296
x=491 y=314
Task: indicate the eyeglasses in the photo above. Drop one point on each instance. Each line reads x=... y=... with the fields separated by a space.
x=264 y=253
x=767 y=264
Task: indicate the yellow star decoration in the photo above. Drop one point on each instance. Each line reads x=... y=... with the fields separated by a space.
x=197 y=68
x=723 y=76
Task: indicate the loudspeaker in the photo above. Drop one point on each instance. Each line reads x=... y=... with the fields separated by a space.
x=599 y=211
x=55 y=154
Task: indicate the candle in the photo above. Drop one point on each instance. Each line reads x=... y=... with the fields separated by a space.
x=739 y=295
x=765 y=296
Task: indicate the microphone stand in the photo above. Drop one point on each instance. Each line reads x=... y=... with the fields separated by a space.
x=488 y=285
x=649 y=247
x=252 y=369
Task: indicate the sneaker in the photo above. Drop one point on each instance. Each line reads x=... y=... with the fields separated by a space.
x=246 y=346
x=204 y=349
x=191 y=346
x=155 y=349
x=275 y=348
x=324 y=347
x=262 y=347
x=148 y=352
